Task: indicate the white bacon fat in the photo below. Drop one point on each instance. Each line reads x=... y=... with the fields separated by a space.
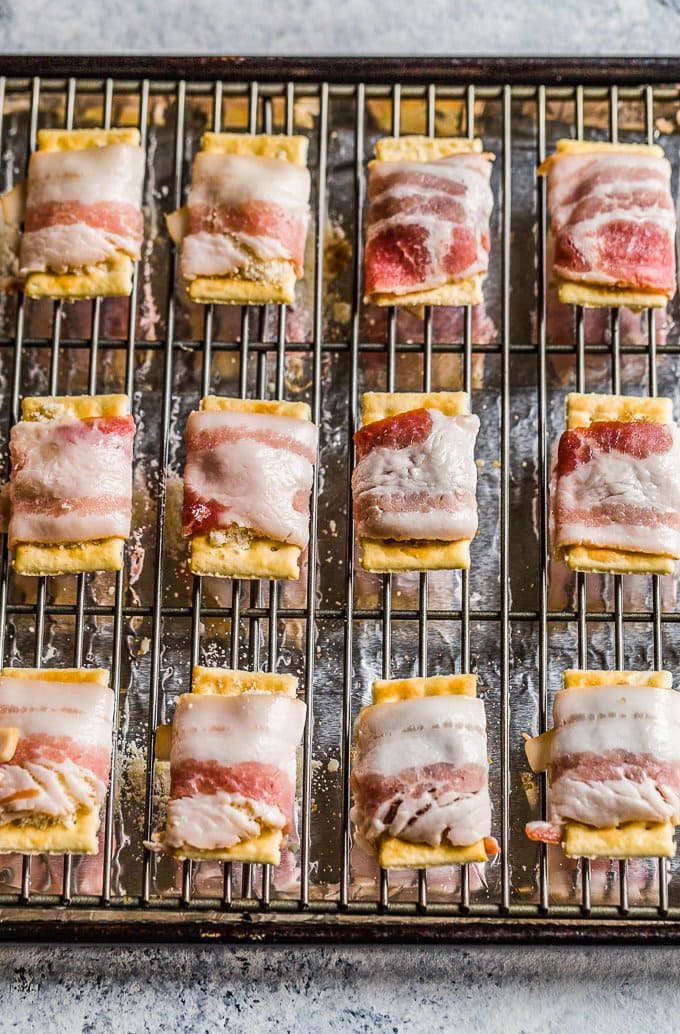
x=242 y=208
x=420 y=771
x=615 y=756
x=249 y=470
x=82 y=207
x=232 y=768
x=71 y=480
x=612 y=497
x=61 y=763
x=420 y=490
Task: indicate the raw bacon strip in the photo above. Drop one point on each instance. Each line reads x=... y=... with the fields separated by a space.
x=416 y=477
x=232 y=768
x=71 y=480
x=613 y=220
x=614 y=758
x=251 y=471
x=428 y=223
x=82 y=207
x=616 y=486
x=421 y=771
x=63 y=755
x=242 y=208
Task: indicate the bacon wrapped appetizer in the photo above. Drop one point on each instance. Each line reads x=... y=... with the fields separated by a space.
x=81 y=212
x=243 y=229
x=70 y=488
x=427 y=241
x=56 y=730
x=415 y=480
x=613 y=762
x=247 y=484
x=612 y=224
x=616 y=486
x=420 y=773
x=232 y=766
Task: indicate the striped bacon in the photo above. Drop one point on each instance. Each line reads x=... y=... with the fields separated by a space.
x=613 y=220
x=428 y=223
x=616 y=486
x=71 y=480
x=249 y=470
x=416 y=477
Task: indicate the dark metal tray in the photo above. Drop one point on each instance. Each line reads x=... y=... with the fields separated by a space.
x=515 y=619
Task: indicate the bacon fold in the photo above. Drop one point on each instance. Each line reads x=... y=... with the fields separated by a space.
x=63 y=756
x=232 y=768
x=614 y=758
x=82 y=208
x=243 y=208
x=421 y=771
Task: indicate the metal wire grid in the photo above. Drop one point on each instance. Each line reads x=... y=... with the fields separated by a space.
x=254 y=897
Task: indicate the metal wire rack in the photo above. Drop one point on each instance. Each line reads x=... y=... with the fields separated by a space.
x=509 y=625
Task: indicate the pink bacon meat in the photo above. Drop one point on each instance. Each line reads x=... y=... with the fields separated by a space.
x=82 y=208
x=613 y=220
x=249 y=470
x=613 y=759
x=63 y=756
x=428 y=223
x=416 y=477
x=232 y=767
x=421 y=771
x=616 y=486
x=71 y=480
x=243 y=208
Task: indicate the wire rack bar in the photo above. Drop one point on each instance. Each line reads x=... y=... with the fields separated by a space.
x=256 y=614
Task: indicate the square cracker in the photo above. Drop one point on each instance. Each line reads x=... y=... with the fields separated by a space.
x=430 y=149
x=107 y=279
x=394 y=853
x=263 y=282
x=582 y=410
x=264 y=849
x=631 y=839
x=40 y=558
x=240 y=553
x=47 y=837
x=383 y=556
x=598 y=296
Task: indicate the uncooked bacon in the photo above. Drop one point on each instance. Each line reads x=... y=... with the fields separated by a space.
x=613 y=220
x=71 y=479
x=428 y=223
x=416 y=477
x=251 y=471
x=616 y=486
x=82 y=208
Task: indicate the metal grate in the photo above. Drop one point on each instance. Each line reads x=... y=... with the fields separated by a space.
x=341 y=624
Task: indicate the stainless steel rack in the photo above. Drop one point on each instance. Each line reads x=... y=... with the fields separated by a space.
x=342 y=625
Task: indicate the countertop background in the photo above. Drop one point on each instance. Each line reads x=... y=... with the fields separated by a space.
x=339 y=989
